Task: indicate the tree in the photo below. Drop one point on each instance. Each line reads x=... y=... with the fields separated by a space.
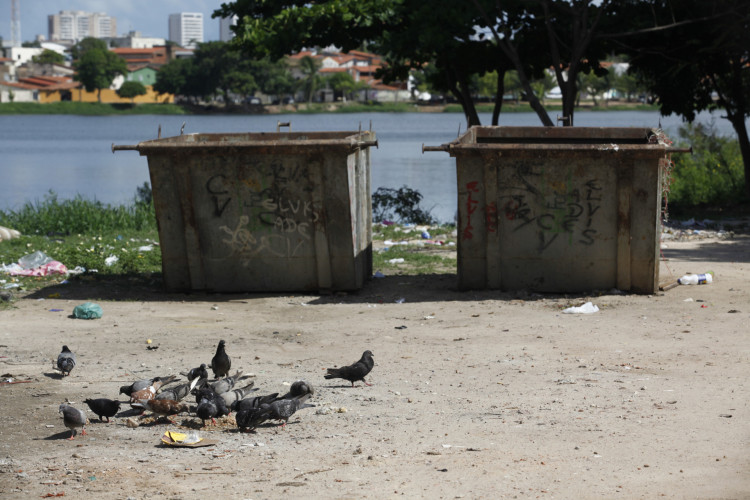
x=695 y=58
x=342 y=84
x=310 y=79
x=131 y=90
x=48 y=57
x=96 y=67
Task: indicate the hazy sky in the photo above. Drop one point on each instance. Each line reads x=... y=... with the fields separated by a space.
x=150 y=17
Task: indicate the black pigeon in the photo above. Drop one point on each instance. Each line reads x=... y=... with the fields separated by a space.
x=73 y=418
x=66 y=361
x=255 y=402
x=354 y=372
x=282 y=409
x=250 y=418
x=299 y=388
x=103 y=407
x=210 y=406
x=220 y=364
x=196 y=375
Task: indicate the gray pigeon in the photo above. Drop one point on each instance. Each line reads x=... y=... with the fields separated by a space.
x=140 y=385
x=230 y=397
x=226 y=384
x=73 y=418
x=221 y=363
x=282 y=409
x=299 y=388
x=66 y=361
x=176 y=393
x=354 y=372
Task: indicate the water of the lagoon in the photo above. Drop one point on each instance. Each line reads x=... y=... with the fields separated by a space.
x=71 y=155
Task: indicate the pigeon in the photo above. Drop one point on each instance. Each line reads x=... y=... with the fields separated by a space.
x=354 y=372
x=176 y=393
x=211 y=405
x=220 y=363
x=103 y=407
x=66 y=361
x=195 y=375
x=139 y=385
x=73 y=418
x=282 y=409
x=165 y=407
x=231 y=397
x=149 y=392
x=226 y=384
x=299 y=388
x=250 y=418
x=256 y=402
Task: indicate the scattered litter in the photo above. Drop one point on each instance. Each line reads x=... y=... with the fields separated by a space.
x=587 y=308
x=55 y=310
x=111 y=260
x=88 y=310
x=378 y=274
x=402 y=327
x=146 y=248
x=689 y=299
x=400 y=301
x=396 y=261
x=425 y=235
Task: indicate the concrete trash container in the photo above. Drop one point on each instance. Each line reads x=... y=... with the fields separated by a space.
x=261 y=212
x=559 y=209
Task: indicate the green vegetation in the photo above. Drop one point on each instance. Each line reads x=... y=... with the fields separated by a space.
x=713 y=176
x=88 y=109
x=419 y=257
x=131 y=90
x=96 y=66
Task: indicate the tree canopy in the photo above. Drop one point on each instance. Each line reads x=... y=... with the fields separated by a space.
x=131 y=90
x=96 y=66
x=49 y=57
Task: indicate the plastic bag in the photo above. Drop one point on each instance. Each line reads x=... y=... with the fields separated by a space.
x=88 y=310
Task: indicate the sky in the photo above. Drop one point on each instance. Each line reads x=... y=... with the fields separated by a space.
x=150 y=17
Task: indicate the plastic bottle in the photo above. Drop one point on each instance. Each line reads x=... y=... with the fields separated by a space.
x=696 y=279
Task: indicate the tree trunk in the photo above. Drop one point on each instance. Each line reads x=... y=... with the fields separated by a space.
x=738 y=123
x=498 y=97
x=99 y=95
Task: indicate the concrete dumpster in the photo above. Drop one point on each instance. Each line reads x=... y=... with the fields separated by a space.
x=559 y=209
x=260 y=212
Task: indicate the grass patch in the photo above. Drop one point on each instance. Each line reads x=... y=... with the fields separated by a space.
x=421 y=255
x=88 y=108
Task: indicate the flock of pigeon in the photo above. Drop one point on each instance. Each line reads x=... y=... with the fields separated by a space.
x=214 y=398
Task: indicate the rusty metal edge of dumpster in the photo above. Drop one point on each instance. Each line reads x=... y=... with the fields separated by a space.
x=480 y=148
x=145 y=148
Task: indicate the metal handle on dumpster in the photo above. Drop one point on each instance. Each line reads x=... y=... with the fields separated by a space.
x=124 y=147
x=442 y=147
x=280 y=124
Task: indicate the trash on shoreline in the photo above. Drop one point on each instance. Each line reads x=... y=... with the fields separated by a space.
x=88 y=310
x=587 y=308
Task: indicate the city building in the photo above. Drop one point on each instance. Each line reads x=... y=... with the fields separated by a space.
x=74 y=25
x=186 y=29
x=134 y=40
x=225 y=28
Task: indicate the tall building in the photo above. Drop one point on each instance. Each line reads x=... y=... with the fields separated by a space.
x=75 y=25
x=186 y=29
x=225 y=28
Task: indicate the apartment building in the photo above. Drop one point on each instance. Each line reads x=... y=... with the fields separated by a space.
x=74 y=25
x=186 y=29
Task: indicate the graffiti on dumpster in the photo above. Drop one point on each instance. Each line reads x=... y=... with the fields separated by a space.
x=273 y=220
x=565 y=208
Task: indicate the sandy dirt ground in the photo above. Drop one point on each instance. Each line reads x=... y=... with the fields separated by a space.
x=474 y=395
